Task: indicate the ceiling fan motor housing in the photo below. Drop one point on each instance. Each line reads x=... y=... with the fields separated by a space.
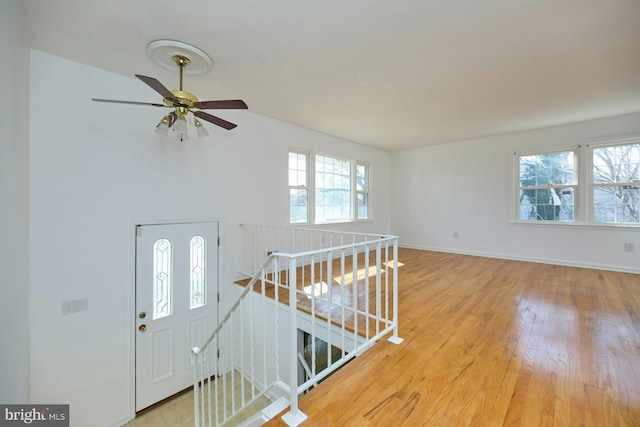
x=186 y=100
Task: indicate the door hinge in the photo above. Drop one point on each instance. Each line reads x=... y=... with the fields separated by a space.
x=138 y=231
x=218 y=296
x=218 y=353
x=218 y=241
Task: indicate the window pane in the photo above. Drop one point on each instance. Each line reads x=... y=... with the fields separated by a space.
x=162 y=279
x=554 y=204
x=616 y=164
x=547 y=169
x=298 y=202
x=362 y=177
x=298 y=177
x=333 y=189
x=198 y=272
x=297 y=169
x=617 y=204
x=293 y=178
x=616 y=172
x=363 y=205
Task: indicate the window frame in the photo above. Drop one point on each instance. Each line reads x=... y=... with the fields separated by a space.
x=367 y=191
x=592 y=185
x=307 y=188
x=584 y=208
x=350 y=187
x=576 y=187
x=311 y=187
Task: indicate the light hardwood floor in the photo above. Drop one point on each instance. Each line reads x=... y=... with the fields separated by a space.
x=491 y=342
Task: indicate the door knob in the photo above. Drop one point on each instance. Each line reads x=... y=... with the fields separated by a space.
x=142 y=328
x=142 y=315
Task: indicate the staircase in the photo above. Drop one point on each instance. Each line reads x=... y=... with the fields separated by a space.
x=312 y=300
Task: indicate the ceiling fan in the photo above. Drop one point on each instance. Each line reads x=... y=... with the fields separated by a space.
x=182 y=104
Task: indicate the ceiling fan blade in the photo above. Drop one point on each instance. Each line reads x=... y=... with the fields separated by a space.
x=115 y=101
x=215 y=120
x=229 y=104
x=158 y=87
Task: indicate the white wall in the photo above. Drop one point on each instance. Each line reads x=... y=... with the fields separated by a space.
x=14 y=204
x=97 y=169
x=467 y=187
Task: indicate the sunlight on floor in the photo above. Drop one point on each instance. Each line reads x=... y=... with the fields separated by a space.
x=317 y=289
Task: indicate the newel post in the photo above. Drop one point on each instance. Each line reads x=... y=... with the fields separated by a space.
x=294 y=417
x=395 y=338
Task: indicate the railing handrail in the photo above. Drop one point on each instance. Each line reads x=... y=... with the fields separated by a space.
x=331 y=249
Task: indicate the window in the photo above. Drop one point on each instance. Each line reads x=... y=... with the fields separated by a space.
x=333 y=190
x=298 y=187
x=327 y=189
x=548 y=189
x=615 y=189
x=362 y=191
x=547 y=186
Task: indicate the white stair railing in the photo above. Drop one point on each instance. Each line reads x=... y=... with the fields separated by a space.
x=316 y=300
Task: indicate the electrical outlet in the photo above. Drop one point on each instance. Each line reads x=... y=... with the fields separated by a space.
x=74 y=306
x=628 y=247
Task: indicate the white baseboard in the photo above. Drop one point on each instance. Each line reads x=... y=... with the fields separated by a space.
x=566 y=263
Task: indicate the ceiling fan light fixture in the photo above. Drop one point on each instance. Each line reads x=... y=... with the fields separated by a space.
x=163 y=127
x=180 y=127
x=202 y=132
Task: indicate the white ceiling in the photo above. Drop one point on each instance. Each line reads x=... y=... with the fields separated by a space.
x=393 y=74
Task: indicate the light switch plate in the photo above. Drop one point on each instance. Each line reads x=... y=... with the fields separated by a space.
x=74 y=306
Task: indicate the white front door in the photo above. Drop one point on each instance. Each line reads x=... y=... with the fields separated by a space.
x=176 y=304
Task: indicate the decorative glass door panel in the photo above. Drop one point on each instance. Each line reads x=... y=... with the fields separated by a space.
x=198 y=265
x=162 y=278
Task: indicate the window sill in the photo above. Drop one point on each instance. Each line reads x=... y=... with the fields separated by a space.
x=325 y=224
x=604 y=226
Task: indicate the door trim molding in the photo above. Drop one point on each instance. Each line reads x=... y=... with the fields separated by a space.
x=131 y=296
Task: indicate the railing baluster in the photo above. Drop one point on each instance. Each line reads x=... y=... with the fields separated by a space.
x=252 y=334
x=209 y=375
x=232 y=358
x=276 y=312
x=313 y=317
x=263 y=294
x=196 y=389
x=378 y=287
x=354 y=300
x=343 y=323
x=329 y=301
x=241 y=349
x=366 y=290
